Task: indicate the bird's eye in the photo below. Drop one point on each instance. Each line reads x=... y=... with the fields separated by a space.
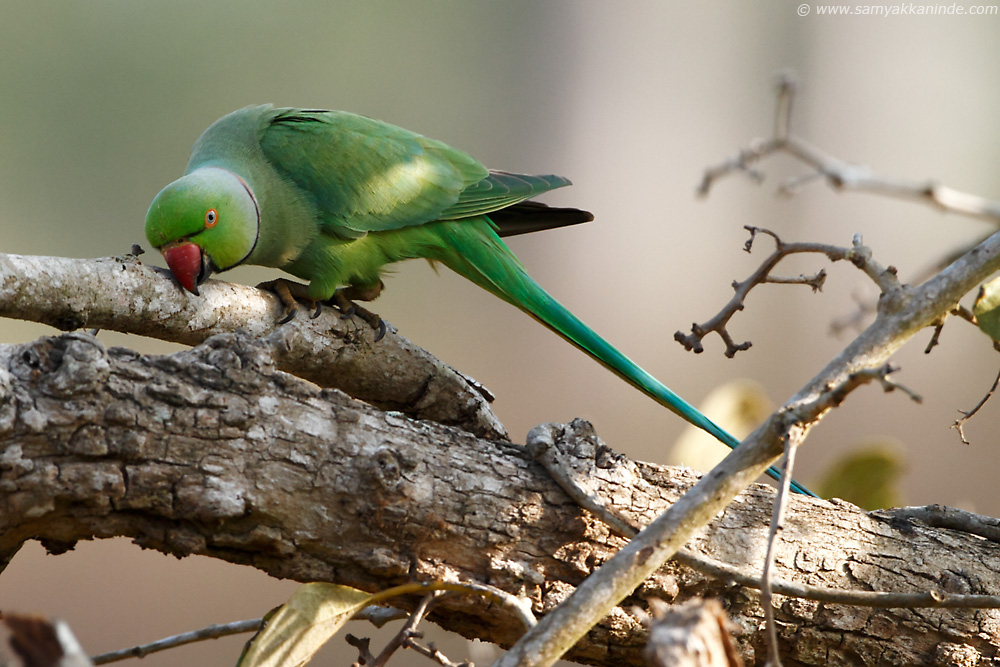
x=211 y=217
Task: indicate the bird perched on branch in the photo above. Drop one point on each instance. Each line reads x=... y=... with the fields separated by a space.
x=333 y=198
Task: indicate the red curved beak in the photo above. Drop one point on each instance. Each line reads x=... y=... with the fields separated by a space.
x=185 y=262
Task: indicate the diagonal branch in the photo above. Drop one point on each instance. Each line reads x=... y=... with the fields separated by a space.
x=902 y=312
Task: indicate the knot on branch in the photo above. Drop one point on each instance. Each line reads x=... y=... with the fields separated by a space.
x=224 y=361
x=61 y=366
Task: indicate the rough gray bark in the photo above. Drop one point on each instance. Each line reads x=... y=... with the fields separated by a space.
x=123 y=294
x=214 y=451
x=696 y=633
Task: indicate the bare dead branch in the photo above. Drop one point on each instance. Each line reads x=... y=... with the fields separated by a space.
x=400 y=639
x=959 y=424
x=836 y=395
x=838 y=174
x=858 y=255
x=952 y=518
x=903 y=311
x=777 y=525
x=210 y=632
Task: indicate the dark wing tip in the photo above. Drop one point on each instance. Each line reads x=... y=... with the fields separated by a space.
x=298 y=116
x=533 y=216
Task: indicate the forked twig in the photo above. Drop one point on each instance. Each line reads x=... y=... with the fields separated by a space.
x=405 y=633
x=838 y=174
x=858 y=254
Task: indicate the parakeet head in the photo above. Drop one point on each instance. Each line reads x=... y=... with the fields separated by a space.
x=206 y=221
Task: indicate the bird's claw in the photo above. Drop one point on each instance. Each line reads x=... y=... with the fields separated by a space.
x=289 y=294
x=348 y=308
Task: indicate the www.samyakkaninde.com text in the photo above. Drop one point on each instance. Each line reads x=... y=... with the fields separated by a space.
x=901 y=9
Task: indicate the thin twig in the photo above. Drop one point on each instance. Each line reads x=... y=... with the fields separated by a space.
x=932 y=599
x=837 y=394
x=410 y=627
x=777 y=523
x=363 y=645
x=888 y=385
x=959 y=424
x=432 y=652
x=211 y=632
x=787 y=84
x=407 y=636
x=936 y=336
x=942 y=516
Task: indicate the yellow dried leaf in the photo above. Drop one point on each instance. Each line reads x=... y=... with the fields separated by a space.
x=296 y=630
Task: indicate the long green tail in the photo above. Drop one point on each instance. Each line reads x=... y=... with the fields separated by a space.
x=475 y=252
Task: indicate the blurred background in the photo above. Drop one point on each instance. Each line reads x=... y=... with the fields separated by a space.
x=103 y=99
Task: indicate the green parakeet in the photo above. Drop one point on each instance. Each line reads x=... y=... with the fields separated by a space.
x=333 y=197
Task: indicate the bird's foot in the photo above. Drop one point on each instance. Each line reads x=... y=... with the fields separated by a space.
x=290 y=293
x=344 y=301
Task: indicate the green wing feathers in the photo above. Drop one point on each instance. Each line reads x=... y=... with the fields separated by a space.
x=498 y=190
x=368 y=176
x=365 y=175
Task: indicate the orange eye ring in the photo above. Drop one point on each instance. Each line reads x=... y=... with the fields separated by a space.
x=211 y=218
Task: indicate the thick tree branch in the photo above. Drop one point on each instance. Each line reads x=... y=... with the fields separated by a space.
x=122 y=294
x=213 y=451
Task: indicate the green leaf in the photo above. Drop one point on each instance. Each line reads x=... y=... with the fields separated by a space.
x=295 y=631
x=987 y=309
x=867 y=476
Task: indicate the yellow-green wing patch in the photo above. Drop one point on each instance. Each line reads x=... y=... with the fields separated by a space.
x=365 y=175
